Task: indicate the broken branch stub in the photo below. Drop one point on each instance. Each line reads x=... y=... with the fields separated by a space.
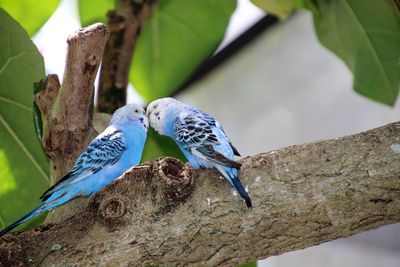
x=67 y=110
x=149 y=189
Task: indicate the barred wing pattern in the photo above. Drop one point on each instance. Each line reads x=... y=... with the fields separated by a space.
x=194 y=132
x=104 y=151
x=212 y=122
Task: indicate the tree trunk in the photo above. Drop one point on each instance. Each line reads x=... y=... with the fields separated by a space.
x=125 y=24
x=164 y=213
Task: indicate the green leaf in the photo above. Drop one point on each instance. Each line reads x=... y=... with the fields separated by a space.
x=160 y=146
x=280 y=8
x=94 y=11
x=179 y=35
x=32 y=14
x=366 y=35
x=23 y=163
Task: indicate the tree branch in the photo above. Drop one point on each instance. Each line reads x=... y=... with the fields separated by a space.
x=67 y=110
x=125 y=23
x=164 y=213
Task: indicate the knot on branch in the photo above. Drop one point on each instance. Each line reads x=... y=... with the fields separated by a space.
x=45 y=98
x=91 y=62
x=147 y=190
x=174 y=177
x=112 y=211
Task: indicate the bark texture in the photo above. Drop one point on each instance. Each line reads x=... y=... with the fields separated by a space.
x=164 y=213
x=125 y=23
x=67 y=109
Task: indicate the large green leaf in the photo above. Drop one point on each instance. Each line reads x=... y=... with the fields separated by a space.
x=32 y=14
x=94 y=11
x=23 y=163
x=179 y=35
x=366 y=35
x=280 y=8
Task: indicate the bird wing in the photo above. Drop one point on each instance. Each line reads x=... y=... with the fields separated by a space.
x=102 y=152
x=235 y=151
x=212 y=122
x=194 y=132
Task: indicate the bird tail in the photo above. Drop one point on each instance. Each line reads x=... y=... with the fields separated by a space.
x=21 y=220
x=56 y=199
x=231 y=175
x=242 y=192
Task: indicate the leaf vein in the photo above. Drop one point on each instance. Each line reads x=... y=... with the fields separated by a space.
x=22 y=106
x=10 y=59
x=373 y=49
x=26 y=151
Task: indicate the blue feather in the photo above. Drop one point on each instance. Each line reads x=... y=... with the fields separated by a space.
x=106 y=158
x=199 y=136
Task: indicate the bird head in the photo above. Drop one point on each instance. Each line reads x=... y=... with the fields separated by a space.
x=159 y=111
x=130 y=113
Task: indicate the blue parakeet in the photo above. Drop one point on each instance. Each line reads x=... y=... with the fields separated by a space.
x=199 y=136
x=116 y=149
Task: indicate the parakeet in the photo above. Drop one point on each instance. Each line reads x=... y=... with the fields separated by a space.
x=116 y=149
x=199 y=136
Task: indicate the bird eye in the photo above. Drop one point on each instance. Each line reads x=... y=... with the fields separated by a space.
x=136 y=110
